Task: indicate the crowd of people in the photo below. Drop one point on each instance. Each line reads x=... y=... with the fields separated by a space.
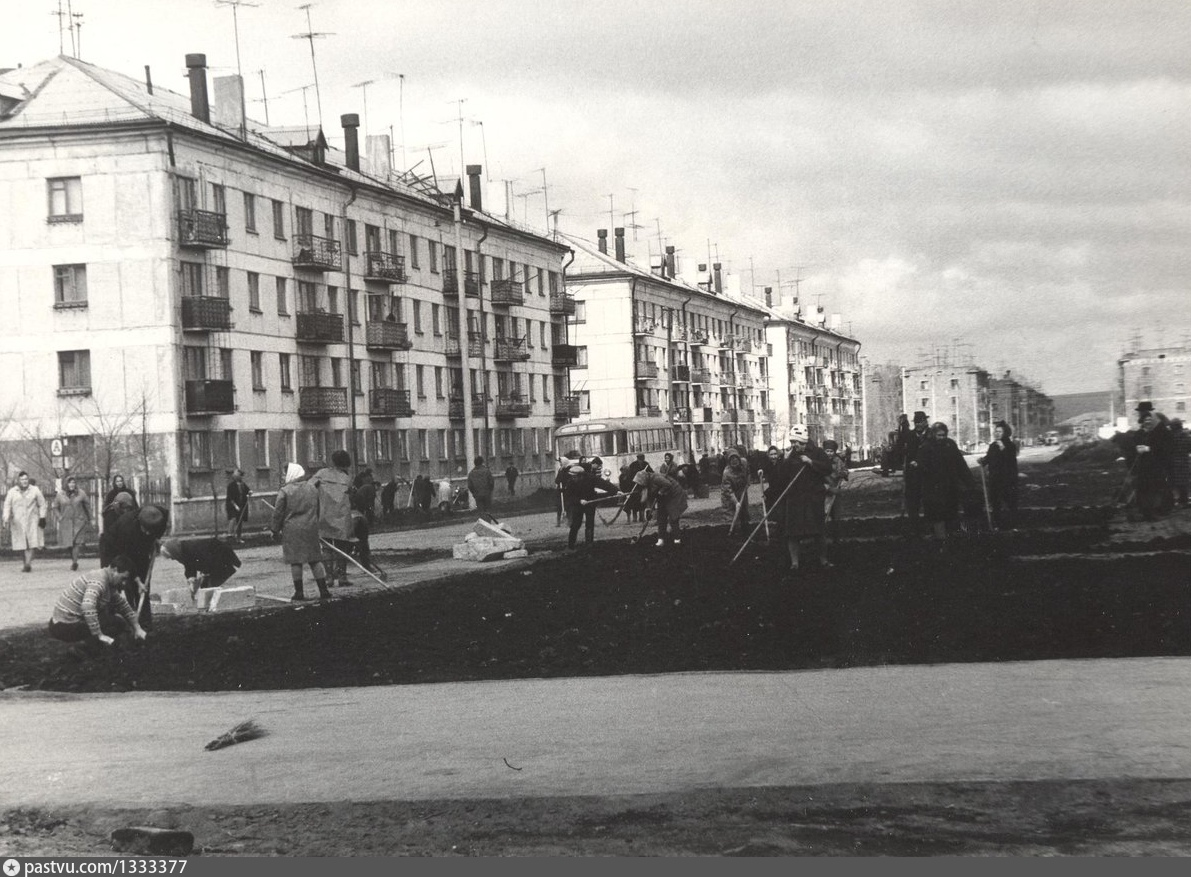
x=1158 y=454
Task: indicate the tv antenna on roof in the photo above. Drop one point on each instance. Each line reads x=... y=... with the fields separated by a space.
x=310 y=36
x=305 y=107
x=235 y=5
x=363 y=86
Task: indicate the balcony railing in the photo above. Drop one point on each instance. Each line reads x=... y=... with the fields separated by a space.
x=475 y=345
x=745 y=415
x=678 y=333
x=510 y=350
x=205 y=313
x=320 y=328
x=388 y=402
x=742 y=344
x=203 y=229
x=566 y=407
x=383 y=335
x=322 y=401
x=728 y=415
x=384 y=267
x=507 y=292
x=479 y=404
x=681 y=373
x=770 y=415
x=564 y=356
x=646 y=371
x=649 y=411
x=450 y=284
x=210 y=397
x=682 y=415
x=562 y=305
x=316 y=253
x=700 y=376
x=727 y=377
x=699 y=336
x=512 y=406
x=644 y=326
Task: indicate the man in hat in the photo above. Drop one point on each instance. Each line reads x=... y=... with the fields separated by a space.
x=914 y=442
x=1149 y=462
x=135 y=535
x=582 y=485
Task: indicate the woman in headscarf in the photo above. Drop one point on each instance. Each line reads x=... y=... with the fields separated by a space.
x=74 y=515
x=295 y=518
x=734 y=490
x=116 y=501
x=1001 y=463
x=944 y=474
x=670 y=499
x=24 y=511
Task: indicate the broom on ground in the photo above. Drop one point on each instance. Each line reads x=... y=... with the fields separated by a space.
x=241 y=733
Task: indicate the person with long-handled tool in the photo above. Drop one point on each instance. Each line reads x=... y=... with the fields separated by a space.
x=583 y=484
x=669 y=498
x=734 y=490
x=206 y=562
x=136 y=535
x=335 y=510
x=236 y=504
x=295 y=520
x=1000 y=487
x=835 y=482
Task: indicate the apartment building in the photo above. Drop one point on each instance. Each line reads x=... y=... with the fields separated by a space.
x=1029 y=411
x=1156 y=374
x=189 y=292
x=957 y=395
x=650 y=344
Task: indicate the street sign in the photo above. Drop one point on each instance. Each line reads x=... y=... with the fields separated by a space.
x=56 y=448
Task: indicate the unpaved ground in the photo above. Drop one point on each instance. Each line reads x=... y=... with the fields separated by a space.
x=1084 y=818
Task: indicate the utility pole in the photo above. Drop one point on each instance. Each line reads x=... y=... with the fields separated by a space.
x=310 y=36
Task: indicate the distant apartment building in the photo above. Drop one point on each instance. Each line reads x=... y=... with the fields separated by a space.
x=1158 y=375
x=650 y=344
x=186 y=293
x=957 y=395
x=882 y=400
x=1029 y=411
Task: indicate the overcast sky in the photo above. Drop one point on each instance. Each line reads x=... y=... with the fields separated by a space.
x=1014 y=175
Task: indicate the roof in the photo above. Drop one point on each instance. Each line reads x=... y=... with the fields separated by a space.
x=67 y=92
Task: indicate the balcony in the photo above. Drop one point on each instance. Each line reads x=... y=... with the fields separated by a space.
x=678 y=333
x=769 y=415
x=387 y=402
x=383 y=335
x=727 y=378
x=699 y=336
x=202 y=229
x=450 y=284
x=728 y=415
x=647 y=371
x=479 y=405
x=742 y=344
x=643 y=326
x=700 y=376
x=510 y=350
x=382 y=267
x=745 y=415
x=564 y=356
x=682 y=415
x=682 y=373
x=703 y=415
x=475 y=345
x=322 y=401
x=316 y=253
x=566 y=408
x=511 y=406
x=507 y=292
x=649 y=411
x=210 y=397
x=318 y=327
x=562 y=305
x=204 y=313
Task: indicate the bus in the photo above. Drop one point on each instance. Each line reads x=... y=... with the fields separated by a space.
x=618 y=440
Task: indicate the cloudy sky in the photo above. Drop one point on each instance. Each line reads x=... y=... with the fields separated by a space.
x=1011 y=176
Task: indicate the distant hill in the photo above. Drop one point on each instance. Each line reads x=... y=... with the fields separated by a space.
x=1073 y=404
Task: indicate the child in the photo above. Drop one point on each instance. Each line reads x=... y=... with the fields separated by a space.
x=94 y=598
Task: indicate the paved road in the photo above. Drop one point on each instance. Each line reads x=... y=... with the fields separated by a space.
x=617 y=735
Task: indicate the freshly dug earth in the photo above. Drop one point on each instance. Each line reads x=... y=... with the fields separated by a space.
x=1079 y=818
x=623 y=608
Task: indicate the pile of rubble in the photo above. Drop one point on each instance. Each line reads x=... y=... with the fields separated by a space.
x=489 y=541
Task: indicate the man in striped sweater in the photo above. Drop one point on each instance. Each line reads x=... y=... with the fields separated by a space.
x=91 y=599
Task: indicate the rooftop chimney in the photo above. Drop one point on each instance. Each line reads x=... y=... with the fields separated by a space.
x=476 y=186
x=148 y=80
x=671 y=263
x=228 y=110
x=769 y=296
x=719 y=279
x=602 y=239
x=196 y=66
x=351 y=139
x=619 y=233
x=380 y=156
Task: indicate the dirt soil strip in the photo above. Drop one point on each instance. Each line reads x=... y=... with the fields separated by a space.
x=1084 y=818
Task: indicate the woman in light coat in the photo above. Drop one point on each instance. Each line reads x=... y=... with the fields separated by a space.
x=24 y=512
x=74 y=515
x=295 y=517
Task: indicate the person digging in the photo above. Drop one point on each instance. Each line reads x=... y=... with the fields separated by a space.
x=206 y=563
x=93 y=610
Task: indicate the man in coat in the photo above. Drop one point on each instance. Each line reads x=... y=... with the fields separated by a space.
x=481 y=485
x=802 y=475
x=1180 y=461
x=1149 y=461
x=135 y=535
x=24 y=511
x=387 y=494
x=236 y=504
x=912 y=442
x=206 y=563
x=945 y=476
x=335 y=492
x=511 y=475
x=669 y=498
x=295 y=517
x=582 y=485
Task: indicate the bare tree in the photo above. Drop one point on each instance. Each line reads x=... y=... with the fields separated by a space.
x=111 y=433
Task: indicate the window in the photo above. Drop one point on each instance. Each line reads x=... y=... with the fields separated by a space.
x=1147 y=390
x=438 y=389
x=223 y=281
x=250 y=212
x=65 y=196
x=336 y=371
x=351 y=236
x=922 y=385
x=360 y=448
x=394 y=241
x=413 y=251
x=74 y=372
x=533 y=390
x=584 y=401
x=258 y=369
x=231 y=447
x=442 y=444
x=218 y=199
x=528 y=331
x=581 y=357
x=332 y=298
x=553 y=288
x=198 y=450
x=955 y=383
x=329 y=226
x=289 y=448
x=541 y=285
x=315 y=446
x=382 y=444
x=260 y=448
x=436 y=319
x=70 y=286
x=401 y=440
x=1180 y=406
x=924 y=404
x=287 y=383
x=433 y=247
x=307 y=302
x=544 y=344
x=580 y=312
x=279 y=220
x=1145 y=369
x=357 y=382
x=417 y=305
x=354 y=304
x=420 y=376
x=192 y=279
x=424 y=444
x=545 y=390
x=282 y=305
x=254 y=292
x=1180 y=388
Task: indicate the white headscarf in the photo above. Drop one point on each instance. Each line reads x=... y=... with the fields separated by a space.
x=293 y=472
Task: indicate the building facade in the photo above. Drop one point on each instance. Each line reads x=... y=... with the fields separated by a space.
x=882 y=400
x=188 y=296
x=957 y=395
x=1158 y=375
x=1029 y=411
x=649 y=344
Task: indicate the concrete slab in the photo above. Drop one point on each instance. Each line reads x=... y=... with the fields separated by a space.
x=227 y=599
